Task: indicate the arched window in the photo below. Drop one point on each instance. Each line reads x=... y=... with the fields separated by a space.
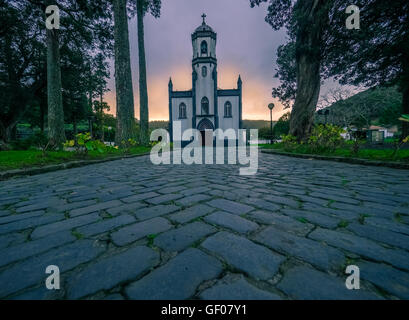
x=203 y=47
x=182 y=111
x=205 y=106
x=227 y=110
x=204 y=71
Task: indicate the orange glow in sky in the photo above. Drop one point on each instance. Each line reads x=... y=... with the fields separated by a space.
x=246 y=45
x=256 y=93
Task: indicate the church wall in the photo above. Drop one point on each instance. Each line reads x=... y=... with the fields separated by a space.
x=211 y=45
x=227 y=123
x=185 y=123
x=204 y=87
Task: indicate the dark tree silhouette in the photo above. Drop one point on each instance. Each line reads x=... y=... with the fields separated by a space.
x=378 y=53
x=321 y=46
x=143 y=7
x=306 y=21
x=22 y=64
x=123 y=77
x=35 y=57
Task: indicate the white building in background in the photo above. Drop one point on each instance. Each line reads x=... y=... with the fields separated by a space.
x=205 y=107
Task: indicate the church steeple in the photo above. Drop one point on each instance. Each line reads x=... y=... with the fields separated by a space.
x=204 y=41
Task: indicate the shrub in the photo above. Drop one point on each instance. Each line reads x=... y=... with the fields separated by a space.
x=289 y=142
x=325 y=138
x=84 y=144
x=37 y=141
x=126 y=145
x=20 y=144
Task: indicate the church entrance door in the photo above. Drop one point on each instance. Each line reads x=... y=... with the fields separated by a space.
x=206 y=131
x=207 y=138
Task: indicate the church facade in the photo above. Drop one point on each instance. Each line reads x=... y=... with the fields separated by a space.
x=205 y=107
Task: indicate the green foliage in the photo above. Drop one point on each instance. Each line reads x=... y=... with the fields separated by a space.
x=77 y=234
x=374 y=55
x=264 y=133
x=364 y=153
x=301 y=219
x=85 y=44
x=343 y=224
x=289 y=142
x=398 y=143
x=84 y=144
x=20 y=144
x=22 y=63
x=10 y=160
x=151 y=238
x=381 y=105
x=37 y=141
x=282 y=127
x=127 y=145
x=325 y=138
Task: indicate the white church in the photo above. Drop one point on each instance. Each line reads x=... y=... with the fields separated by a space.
x=205 y=107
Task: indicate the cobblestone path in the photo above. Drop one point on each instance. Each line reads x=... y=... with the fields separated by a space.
x=131 y=230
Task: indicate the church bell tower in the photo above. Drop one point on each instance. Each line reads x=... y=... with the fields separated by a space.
x=204 y=76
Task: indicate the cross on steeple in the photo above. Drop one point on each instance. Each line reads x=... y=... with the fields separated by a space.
x=204 y=17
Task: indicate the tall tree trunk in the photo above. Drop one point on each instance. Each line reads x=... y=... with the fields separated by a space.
x=143 y=89
x=308 y=89
x=56 y=132
x=313 y=18
x=123 y=77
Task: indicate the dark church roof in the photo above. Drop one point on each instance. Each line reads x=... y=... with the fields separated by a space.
x=203 y=27
x=204 y=30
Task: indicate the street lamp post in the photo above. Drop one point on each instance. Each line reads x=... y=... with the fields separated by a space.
x=271 y=106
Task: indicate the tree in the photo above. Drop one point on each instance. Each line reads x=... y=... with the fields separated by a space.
x=307 y=22
x=85 y=26
x=142 y=7
x=99 y=108
x=74 y=66
x=282 y=127
x=123 y=77
x=56 y=133
x=22 y=64
x=378 y=53
x=359 y=110
x=23 y=52
x=97 y=88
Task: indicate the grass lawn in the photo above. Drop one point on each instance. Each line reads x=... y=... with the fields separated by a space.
x=10 y=160
x=371 y=154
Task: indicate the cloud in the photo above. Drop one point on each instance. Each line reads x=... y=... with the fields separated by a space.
x=246 y=45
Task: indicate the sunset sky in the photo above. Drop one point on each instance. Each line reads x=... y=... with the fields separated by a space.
x=246 y=45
